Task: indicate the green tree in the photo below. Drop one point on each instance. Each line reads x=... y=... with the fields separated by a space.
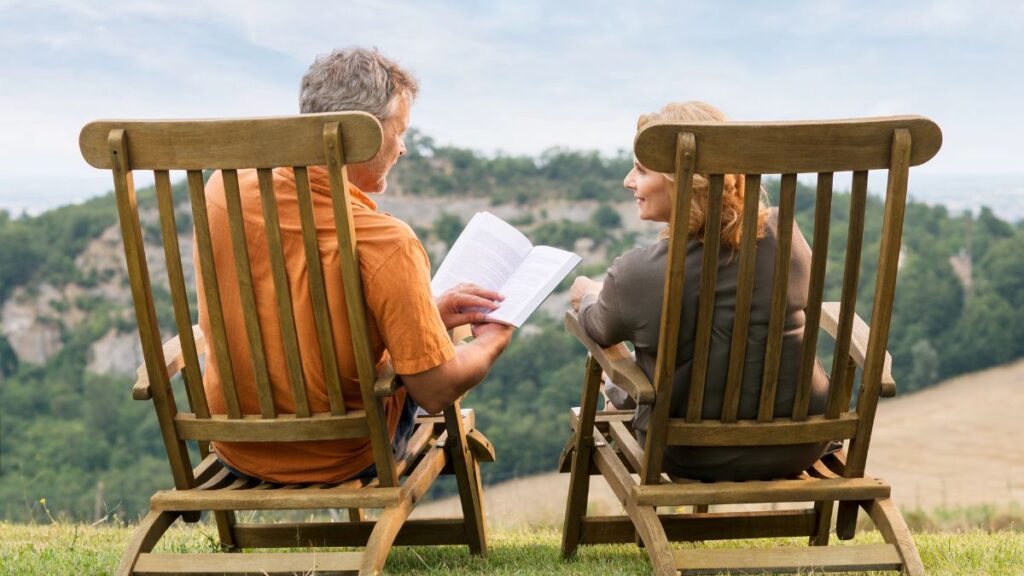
x=447 y=228
x=606 y=218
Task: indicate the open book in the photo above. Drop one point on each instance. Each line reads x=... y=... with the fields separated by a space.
x=492 y=254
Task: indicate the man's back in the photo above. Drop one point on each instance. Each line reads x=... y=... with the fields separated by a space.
x=403 y=319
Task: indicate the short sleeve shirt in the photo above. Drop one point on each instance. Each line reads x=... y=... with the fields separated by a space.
x=404 y=323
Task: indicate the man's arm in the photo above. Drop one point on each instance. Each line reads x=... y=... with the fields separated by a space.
x=437 y=388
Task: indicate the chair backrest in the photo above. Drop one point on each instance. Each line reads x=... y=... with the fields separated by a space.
x=754 y=149
x=332 y=140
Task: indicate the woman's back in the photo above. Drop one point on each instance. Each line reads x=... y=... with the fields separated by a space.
x=629 y=308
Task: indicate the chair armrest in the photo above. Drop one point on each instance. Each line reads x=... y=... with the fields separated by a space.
x=616 y=361
x=858 y=343
x=387 y=382
x=175 y=363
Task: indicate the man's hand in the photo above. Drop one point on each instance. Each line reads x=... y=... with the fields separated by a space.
x=502 y=333
x=466 y=304
x=580 y=288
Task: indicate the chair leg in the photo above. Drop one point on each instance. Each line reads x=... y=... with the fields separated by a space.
x=651 y=531
x=846 y=519
x=467 y=476
x=382 y=538
x=579 y=479
x=355 y=514
x=890 y=523
x=576 y=506
x=144 y=539
x=823 y=523
x=226 y=529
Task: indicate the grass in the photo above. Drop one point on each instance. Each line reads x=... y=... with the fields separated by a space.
x=62 y=548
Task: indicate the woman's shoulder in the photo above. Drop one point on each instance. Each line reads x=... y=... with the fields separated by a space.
x=640 y=263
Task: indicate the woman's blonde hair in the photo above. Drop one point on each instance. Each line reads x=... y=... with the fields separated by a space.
x=734 y=188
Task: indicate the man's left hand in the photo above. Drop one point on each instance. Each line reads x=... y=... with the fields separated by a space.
x=466 y=304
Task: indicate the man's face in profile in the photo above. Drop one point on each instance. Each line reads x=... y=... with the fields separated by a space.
x=371 y=176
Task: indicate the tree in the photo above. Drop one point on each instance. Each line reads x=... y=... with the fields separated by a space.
x=924 y=368
x=447 y=227
x=605 y=217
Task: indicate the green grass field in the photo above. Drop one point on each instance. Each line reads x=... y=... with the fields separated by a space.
x=79 y=549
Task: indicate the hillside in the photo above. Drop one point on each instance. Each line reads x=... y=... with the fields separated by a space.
x=68 y=346
x=956 y=444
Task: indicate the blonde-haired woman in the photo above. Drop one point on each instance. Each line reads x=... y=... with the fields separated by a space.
x=627 y=307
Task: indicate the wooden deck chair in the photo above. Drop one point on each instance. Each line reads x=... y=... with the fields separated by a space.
x=603 y=443
x=442 y=444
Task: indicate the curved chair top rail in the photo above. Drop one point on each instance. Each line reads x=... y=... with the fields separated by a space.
x=787 y=147
x=232 y=143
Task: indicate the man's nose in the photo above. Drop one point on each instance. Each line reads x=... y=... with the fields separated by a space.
x=401 y=148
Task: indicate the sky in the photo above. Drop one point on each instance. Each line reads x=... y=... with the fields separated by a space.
x=508 y=77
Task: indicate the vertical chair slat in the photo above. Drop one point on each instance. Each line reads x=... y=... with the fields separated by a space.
x=840 y=385
x=819 y=258
x=218 y=340
x=744 y=296
x=671 y=308
x=142 y=296
x=780 y=286
x=179 y=295
x=885 y=289
x=240 y=248
x=318 y=295
x=356 y=307
x=282 y=290
x=706 y=306
x=881 y=316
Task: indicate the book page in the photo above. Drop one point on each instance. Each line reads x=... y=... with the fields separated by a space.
x=485 y=254
x=532 y=282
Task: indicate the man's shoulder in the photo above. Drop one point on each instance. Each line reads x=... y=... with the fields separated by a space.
x=384 y=239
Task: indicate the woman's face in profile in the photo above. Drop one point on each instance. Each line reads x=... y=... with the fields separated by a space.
x=652 y=192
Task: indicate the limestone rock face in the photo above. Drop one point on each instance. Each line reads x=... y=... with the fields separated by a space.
x=31 y=324
x=117 y=353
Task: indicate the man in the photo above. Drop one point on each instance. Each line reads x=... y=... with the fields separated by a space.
x=406 y=325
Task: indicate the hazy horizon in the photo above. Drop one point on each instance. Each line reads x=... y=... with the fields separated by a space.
x=1002 y=193
x=518 y=77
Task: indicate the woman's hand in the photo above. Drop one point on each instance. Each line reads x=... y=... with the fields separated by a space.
x=466 y=304
x=580 y=288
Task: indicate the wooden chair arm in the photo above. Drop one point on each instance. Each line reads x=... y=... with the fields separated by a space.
x=858 y=343
x=387 y=382
x=616 y=361
x=175 y=363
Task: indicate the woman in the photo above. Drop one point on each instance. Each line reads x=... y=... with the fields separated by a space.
x=627 y=306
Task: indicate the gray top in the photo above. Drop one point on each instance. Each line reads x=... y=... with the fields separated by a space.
x=629 y=308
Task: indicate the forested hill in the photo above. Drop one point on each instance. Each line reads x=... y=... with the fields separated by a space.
x=70 y=433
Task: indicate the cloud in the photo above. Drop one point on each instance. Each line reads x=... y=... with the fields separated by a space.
x=518 y=77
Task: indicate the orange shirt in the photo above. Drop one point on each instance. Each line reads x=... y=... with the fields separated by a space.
x=404 y=322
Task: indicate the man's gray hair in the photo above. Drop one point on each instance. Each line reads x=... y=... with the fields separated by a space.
x=355 y=79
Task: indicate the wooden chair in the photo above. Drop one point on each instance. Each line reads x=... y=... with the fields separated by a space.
x=441 y=444
x=603 y=442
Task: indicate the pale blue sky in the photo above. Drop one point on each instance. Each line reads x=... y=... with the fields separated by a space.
x=513 y=76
